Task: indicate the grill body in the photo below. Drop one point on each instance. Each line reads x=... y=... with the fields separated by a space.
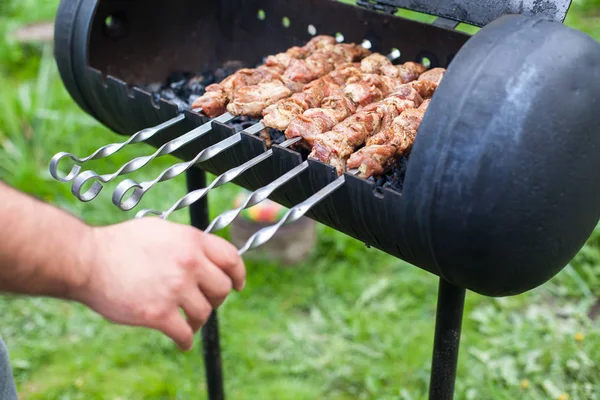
x=498 y=197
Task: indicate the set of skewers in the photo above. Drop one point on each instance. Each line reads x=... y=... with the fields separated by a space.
x=350 y=107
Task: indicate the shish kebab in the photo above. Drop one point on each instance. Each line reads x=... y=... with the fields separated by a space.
x=275 y=63
x=334 y=147
x=323 y=60
x=360 y=81
x=406 y=95
x=409 y=118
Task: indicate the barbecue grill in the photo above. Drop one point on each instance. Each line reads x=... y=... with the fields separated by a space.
x=499 y=191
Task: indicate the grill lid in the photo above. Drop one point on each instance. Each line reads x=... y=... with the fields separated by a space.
x=476 y=12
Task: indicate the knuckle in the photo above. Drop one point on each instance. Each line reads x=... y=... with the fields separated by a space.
x=151 y=313
x=187 y=260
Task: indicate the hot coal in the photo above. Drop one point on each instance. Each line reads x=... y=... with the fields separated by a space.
x=183 y=87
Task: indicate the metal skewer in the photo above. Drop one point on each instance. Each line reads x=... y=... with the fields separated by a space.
x=227 y=217
x=139 y=189
x=105 y=151
x=265 y=234
x=137 y=163
x=222 y=179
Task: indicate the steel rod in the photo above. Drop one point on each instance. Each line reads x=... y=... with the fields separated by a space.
x=226 y=177
x=196 y=179
x=448 y=324
x=106 y=150
x=265 y=234
x=224 y=219
x=139 y=162
x=119 y=197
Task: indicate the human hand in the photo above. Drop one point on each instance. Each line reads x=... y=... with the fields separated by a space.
x=142 y=272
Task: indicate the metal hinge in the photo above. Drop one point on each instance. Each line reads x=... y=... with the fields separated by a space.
x=375 y=6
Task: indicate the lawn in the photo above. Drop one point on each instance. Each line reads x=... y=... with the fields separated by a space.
x=347 y=323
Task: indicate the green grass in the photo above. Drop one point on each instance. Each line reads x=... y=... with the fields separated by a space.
x=348 y=323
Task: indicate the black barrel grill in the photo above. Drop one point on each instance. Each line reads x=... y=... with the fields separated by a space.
x=501 y=188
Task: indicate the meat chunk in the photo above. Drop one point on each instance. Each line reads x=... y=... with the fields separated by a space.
x=382 y=149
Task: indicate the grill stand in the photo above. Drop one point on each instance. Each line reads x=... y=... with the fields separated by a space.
x=448 y=323
x=196 y=179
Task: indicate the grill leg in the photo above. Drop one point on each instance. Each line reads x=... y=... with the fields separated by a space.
x=196 y=179
x=451 y=301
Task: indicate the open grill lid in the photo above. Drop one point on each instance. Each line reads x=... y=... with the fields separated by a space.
x=475 y=12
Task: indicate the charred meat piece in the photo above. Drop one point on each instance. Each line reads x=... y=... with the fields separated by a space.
x=280 y=115
x=334 y=147
x=368 y=91
x=214 y=101
x=217 y=95
x=283 y=60
x=318 y=64
x=380 y=155
x=433 y=75
x=324 y=61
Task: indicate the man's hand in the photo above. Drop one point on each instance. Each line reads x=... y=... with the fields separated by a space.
x=142 y=272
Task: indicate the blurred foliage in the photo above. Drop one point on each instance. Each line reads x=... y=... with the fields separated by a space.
x=347 y=323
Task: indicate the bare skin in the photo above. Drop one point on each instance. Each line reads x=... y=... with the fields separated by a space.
x=139 y=273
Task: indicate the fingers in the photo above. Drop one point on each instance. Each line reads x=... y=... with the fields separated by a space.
x=213 y=283
x=224 y=255
x=176 y=327
x=196 y=307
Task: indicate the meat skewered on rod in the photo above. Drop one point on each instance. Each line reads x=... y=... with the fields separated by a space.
x=324 y=55
x=253 y=99
x=274 y=65
x=344 y=102
x=381 y=150
x=334 y=147
x=407 y=95
x=293 y=214
x=280 y=114
x=350 y=52
x=139 y=189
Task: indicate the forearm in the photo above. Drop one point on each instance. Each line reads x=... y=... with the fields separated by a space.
x=43 y=250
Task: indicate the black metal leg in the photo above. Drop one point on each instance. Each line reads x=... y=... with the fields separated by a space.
x=448 y=323
x=196 y=179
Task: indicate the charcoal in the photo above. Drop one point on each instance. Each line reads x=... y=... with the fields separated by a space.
x=393 y=179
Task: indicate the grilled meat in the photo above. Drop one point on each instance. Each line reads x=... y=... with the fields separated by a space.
x=252 y=100
x=368 y=89
x=217 y=95
x=283 y=60
x=282 y=113
x=335 y=146
x=433 y=75
x=381 y=150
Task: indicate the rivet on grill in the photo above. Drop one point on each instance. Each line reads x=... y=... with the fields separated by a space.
x=312 y=30
x=285 y=21
x=261 y=15
x=367 y=44
x=339 y=37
